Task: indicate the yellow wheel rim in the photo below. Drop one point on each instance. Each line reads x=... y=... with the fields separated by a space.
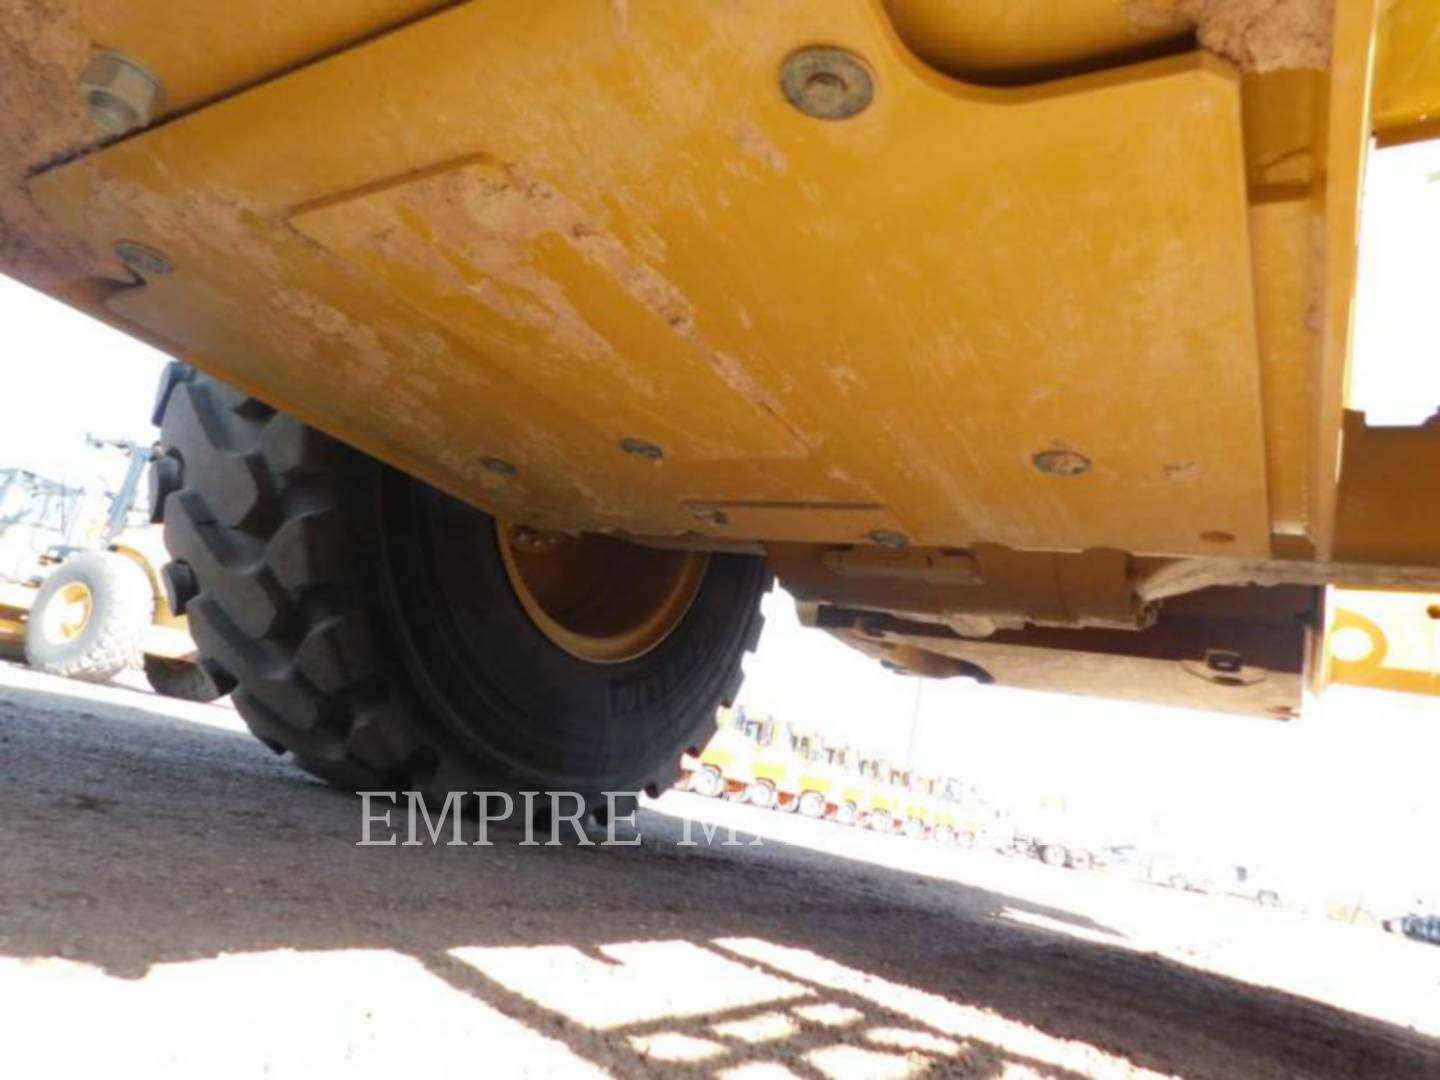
x=68 y=613
x=600 y=599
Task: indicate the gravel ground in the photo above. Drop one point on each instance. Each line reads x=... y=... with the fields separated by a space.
x=176 y=899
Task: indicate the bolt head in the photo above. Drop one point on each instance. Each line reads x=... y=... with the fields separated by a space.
x=536 y=541
x=827 y=83
x=120 y=93
x=500 y=467
x=710 y=515
x=887 y=538
x=642 y=449
x=142 y=259
x=1061 y=462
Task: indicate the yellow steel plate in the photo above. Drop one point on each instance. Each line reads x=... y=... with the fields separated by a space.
x=525 y=231
x=1407 y=72
x=200 y=51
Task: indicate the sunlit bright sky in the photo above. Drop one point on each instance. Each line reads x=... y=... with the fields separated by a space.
x=1267 y=783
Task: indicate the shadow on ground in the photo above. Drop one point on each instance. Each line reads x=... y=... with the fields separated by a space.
x=134 y=839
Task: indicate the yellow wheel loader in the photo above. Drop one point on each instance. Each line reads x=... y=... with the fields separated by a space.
x=83 y=598
x=521 y=345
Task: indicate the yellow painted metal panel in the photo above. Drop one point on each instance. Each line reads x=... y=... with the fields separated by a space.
x=1407 y=71
x=1348 y=142
x=203 y=50
x=482 y=249
x=999 y=38
x=897 y=310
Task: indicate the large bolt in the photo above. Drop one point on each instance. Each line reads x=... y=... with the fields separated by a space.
x=642 y=449
x=887 y=538
x=120 y=93
x=1061 y=462
x=142 y=259
x=827 y=83
x=500 y=467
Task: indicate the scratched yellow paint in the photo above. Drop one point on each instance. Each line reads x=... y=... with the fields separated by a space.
x=831 y=327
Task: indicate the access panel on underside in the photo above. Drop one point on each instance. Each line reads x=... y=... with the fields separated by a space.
x=527 y=233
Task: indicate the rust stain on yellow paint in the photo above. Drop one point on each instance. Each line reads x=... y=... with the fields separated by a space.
x=42 y=55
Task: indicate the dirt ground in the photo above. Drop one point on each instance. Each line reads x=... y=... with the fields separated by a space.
x=177 y=900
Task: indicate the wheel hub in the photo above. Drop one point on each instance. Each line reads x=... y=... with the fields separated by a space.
x=67 y=615
x=598 y=598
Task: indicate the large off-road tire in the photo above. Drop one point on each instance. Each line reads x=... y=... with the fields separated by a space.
x=181 y=679
x=89 y=619
x=1054 y=854
x=377 y=629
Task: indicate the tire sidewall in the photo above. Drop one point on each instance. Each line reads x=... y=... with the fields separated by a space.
x=107 y=576
x=510 y=694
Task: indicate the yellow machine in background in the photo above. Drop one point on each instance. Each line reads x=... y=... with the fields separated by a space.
x=81 y=594
x=745 y=760
x=812 y=782
x=767 y=764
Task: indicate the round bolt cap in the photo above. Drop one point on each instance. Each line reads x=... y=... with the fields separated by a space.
x=827 y=83
x=642 y=449
x=1061 y=462
x=142 y=259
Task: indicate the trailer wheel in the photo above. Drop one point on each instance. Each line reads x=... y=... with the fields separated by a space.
x=394 y=638
x=707 y=781
x=761 y=793
x=182 y=679
x=90 y=617
x=847 y=813
x=1054 y=855
x=812 y=804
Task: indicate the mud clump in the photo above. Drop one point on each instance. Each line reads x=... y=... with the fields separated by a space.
x=1254 y=35
x=42 y=119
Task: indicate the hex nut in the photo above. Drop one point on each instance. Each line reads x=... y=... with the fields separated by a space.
x=120 y=93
